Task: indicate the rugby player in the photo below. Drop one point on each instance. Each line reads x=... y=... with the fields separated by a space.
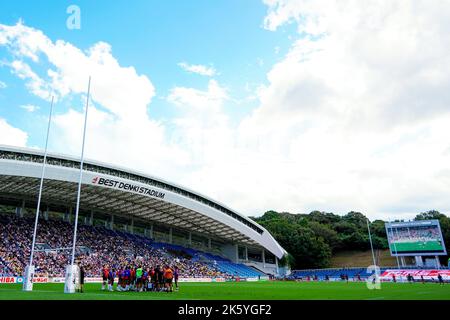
x=138 y=274
x=111 y=277
x=82 y=275
x=175 y=276
x=145 y=281
x=159 y=281
x=161 y=278
x=132 y=278
x=105 y=273
x=126 y=278
x=168 y=278
x=154 y=279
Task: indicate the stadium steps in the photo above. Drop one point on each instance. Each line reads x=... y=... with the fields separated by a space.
x=235 y=269
x=262 y=273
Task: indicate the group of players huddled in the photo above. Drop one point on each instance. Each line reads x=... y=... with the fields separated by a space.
x=136 y=278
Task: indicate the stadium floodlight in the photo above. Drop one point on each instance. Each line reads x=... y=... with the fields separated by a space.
x=72 y=270
x=29 y=270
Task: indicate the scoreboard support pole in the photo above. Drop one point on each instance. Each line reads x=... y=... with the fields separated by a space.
x=419 y=261
x=438 y=263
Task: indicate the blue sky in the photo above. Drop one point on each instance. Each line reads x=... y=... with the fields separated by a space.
x=154 y=36
x=291 y=105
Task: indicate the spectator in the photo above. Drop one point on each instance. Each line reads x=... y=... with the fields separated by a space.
x=101 y=247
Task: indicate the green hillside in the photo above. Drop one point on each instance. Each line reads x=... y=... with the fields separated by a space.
x=325 y=239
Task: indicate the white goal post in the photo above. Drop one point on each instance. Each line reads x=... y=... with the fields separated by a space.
x=72 y=280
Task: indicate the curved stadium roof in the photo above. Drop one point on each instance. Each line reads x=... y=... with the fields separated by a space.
x=124 y=192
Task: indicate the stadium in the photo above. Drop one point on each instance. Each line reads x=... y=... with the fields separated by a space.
x=132 y=206
x=127 y=216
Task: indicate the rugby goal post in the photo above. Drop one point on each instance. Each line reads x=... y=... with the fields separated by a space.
x=72 y=279
x=28 y=278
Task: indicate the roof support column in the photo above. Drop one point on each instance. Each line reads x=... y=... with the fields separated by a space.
x=46 y=214
x=91 y=219
x=190 y=239
x=111 y=223
x=276 y=263
x=20 y=210
x=264 y=258
x=67 y=215
x=209 y=243
x=132 y=226
x=246 y=253
x=151 y=231
x=170 y=235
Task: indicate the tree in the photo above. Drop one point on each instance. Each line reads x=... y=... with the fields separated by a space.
x=430 y=215
x=326 y=232
x=312 y=238
x=356 y=218
x=308 y=250
x=287 y=260
x=378 y=228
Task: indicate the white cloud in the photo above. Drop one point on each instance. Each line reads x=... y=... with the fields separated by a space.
x=120 y=130
x=29 y=107
x=358 y=108
x=35 y=84
x=354 y=117
x=71 y=67
x=197 y=100
x=12 y=136
x=198 y=69
x=2 y=85
x=201 y=127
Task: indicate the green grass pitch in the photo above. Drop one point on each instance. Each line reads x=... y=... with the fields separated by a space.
x=243 y=291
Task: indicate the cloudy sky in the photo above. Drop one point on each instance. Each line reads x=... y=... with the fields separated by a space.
x=289 y=105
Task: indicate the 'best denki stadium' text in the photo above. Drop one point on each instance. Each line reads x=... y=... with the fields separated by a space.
x=128 y=187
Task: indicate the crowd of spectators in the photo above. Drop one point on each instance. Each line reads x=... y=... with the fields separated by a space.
x=96 y=247
x=415 y=234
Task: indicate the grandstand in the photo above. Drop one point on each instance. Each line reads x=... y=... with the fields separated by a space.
x=124 y=215
x=100 y=245
x=332 y=273
x=361 y=273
